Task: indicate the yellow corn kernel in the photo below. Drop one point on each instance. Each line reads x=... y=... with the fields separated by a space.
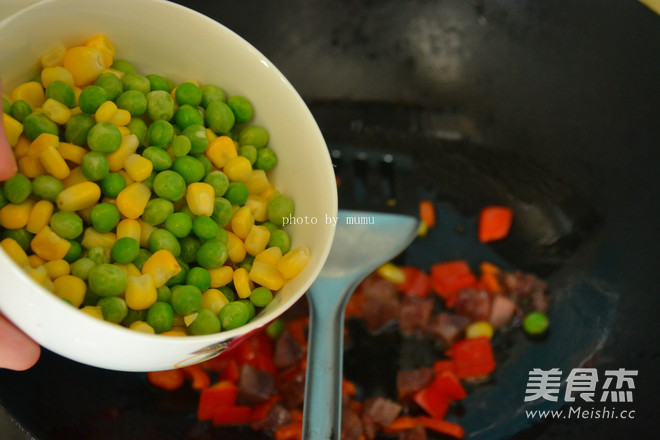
x=257 y=182
x=54 y=163
x=78 y=196
x=242 y=222
x=221 y=276
x=294 y=261
x=41 y=143
x=423 y=229
x=49 y=246
x=35 y=260
x=22 y=146
x=53 y=57
x=210 y=134
x=138 y=167
x=221 y=150
x=38 y=274
x=71 y=152
x=127 y=179
x=479 y=329
x=75 y=177
x=56 y=73
x=175 y=331
x=257 y=239
x=16 y=216
x=235 y=248
x=268 y=192
x=238 y=169
x=13 y=129
x=94 y=311
x=142 y=327
x=86 y=214
x=266 y=275
x=106 y=111
x=162 y=266
x=214 y=300
x=129 y=269
x=200 y=197
x=129 y=145
x=118 y=73
x=271 y=255
x=15 y=251
x=92 y=238
x=85 y=64
x=31 y=92
x=132 y=200
x=121 y=118
x=39 y=216
x=188 y=319
x=391 y=273
x=242 y=283
x=70 y=288
x=104 y=45
x=129 y=228
x=145 y=233
x=76 y=94
x=30 y=167
x=57 y=268
x=124 y=130
x=177 y=322
x=141 y=292
x=258 y=206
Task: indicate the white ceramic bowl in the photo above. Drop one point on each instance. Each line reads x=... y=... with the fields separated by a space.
x=173 y=41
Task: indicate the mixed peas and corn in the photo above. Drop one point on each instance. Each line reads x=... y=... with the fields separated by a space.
x=140 y=201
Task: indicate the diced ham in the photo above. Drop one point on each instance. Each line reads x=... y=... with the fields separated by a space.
x=277 y=416
x=378 y=413
x=414 y=315
x=474 y=303
x=447 y=327
x=408 y=382
x=351 y=425
x=416 y=433
x=380 y=302
x=293 y=390
x=527 y=290
x=374 y=287
x=254 y=386
x=502 y=310
x=287 y=351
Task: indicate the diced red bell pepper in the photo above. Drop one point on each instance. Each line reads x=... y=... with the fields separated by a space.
x=451 y=386
x=260 y=411
x=298 y=329
x=200 y=378
x=232 y=415
x=168 y=379
x=221 y=395
x=231 y=372
x=401 y=424
x=494 y=223
x=473 y=357
x=427 y=212
x=450 y=277
x=417 y=283
x=432 y=400
x=441 y=366
x=441 y=426
x=292 y=431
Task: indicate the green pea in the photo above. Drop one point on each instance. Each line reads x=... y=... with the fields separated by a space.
x=199 y=140
x=189 y=247
x=161 y=133
x=17 y=188
x=164 y=294
x=35 y=124
x=107 y=280
x=250 y=306
x=123 y=66
x=74 y=252
x=186 y=210
x=164 y=239
x=139 y=128
x=82 y=267
x=104 y=217
x=125 y=250
x=271 y=227
x=3 y=199
x=212 y=93
x=188 y=93
x=246 y=263
x=249 y=152
x=280 y=238
x=261 y=297
x=170 y=185
x=179 y=278
x=66 y=224
x=91 y=98
x=266 y=159
x=279 y=208
x=160 y=316
x=99 y=254
x=212 y=254
x=160 y=105
x=199 y=277
x=112 y=185
x=95 y=166
x=205 y=323
x=143 y=255
x=205 y=227
x=237 y=193
x=219 y=117
x=222 y=236
x=181 y=145
x=6 y=105
x=158 y=158
x=228 y=292
x=19 y=110
x=160 y=83
x=114 y=309
x=219 y=181
x=111 y=84
x=535 y=323
x=133 y=81
x=77 y=129
x=234 y=315
x=253 y=135
x=62 y=92
x=186 y=299
x=157 y=211
x=190 y=168
x=206 y=163
x=241 y=107
x=133 y=316
x=22 y=237
x=178 y=224
x=275 y=329
x=222 y=211
x=187 y=115
x=149 y=181
x=104 y=137
x=134 y=101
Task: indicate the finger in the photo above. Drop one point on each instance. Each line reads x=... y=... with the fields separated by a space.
x=7 y=160
x=17 y=350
